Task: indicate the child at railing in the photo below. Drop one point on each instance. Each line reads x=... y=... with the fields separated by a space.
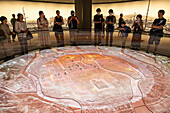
x=124 y=32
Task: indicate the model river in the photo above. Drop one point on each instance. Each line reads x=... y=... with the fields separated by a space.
x=85 y=79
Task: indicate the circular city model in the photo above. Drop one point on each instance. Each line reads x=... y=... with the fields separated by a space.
x=85 y=79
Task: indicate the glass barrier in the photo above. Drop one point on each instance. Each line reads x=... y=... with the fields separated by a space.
x=13 y=49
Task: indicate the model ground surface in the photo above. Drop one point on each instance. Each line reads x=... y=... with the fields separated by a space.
x=85 y=79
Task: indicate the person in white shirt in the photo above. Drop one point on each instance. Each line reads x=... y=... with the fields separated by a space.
x=22 y=30
x=43 y=30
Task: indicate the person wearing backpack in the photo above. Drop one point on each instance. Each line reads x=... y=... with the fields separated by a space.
x=125 y=30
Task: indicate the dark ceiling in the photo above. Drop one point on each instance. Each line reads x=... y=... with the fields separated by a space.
x=72 y=1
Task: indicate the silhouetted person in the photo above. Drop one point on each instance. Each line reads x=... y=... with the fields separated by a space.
x=120 y=21
x=110 y=21
x=58 y=22
x=22 y=30
x=5 y=38
x=124 y=33
x=13 y=20
x=138 y=28
x=43 y=31
x=98 y=20
x=156 y=33
x=72 y=23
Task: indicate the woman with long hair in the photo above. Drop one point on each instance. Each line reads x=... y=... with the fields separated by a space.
x=138 y=28
x=43 y=31
x=22 y=30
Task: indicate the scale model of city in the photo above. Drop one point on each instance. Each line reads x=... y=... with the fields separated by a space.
x=85 y=79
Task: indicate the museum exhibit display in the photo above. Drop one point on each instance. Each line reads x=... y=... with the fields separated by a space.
x=84 y=56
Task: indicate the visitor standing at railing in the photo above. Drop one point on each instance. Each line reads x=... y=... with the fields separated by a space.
x=72 y=23
x=110 y=21
x=22 y=30
x=58 y=22
x=43 y=30
x=120 y=22
x=5 y=38
x=156 y=33
x=13 y=20
x=98 y=20
x=137 y=32
x=125 y=30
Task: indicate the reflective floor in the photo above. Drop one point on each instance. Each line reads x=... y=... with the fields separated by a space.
x=85 y=79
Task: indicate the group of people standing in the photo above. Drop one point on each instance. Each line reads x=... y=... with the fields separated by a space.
x=110 y=22
x=156 y=32
x=20 y=28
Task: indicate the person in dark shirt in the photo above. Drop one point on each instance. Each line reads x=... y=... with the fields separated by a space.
x=72 y=23
x=13 y=20
x=124 y=33
x=156 y=31
x=120 y=22
x=58 y=22
x=98 y=20
x=137 y=32
x=121 y=19
x=110 y=21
